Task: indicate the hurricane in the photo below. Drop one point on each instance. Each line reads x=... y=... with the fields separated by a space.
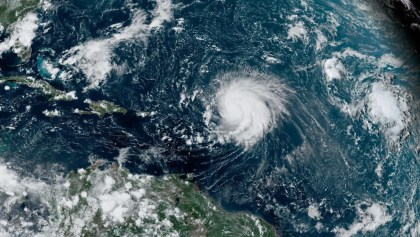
x=209 y=118
x=247 y=106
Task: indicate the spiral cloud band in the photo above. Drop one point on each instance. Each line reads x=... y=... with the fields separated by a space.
x=247 y=106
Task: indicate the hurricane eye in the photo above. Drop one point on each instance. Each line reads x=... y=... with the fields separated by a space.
x=249 y=106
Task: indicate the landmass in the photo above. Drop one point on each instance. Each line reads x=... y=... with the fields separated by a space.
x=11 y=11
x=45 y=87
x=101 y=108
x=112 y=201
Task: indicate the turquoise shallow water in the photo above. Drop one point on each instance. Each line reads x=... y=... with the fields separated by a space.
x=340 y=157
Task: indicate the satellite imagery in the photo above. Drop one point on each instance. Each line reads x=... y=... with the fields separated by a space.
x=219 y=118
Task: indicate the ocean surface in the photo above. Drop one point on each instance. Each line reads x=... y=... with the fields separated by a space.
x=301 y=112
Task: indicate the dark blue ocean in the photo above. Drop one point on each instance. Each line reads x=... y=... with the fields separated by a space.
x=337 y=157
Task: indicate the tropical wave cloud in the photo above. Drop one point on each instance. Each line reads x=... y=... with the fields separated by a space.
x=94 y=57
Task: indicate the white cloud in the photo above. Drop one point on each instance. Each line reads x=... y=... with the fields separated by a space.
x=334 y=69
x=368 y=220
x=387 y=109
x=23 y=32
x=297 y=31
x=94 y=58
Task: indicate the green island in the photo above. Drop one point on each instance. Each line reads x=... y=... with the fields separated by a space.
x=143 y=114
x=101 y=108
x=45 y=87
